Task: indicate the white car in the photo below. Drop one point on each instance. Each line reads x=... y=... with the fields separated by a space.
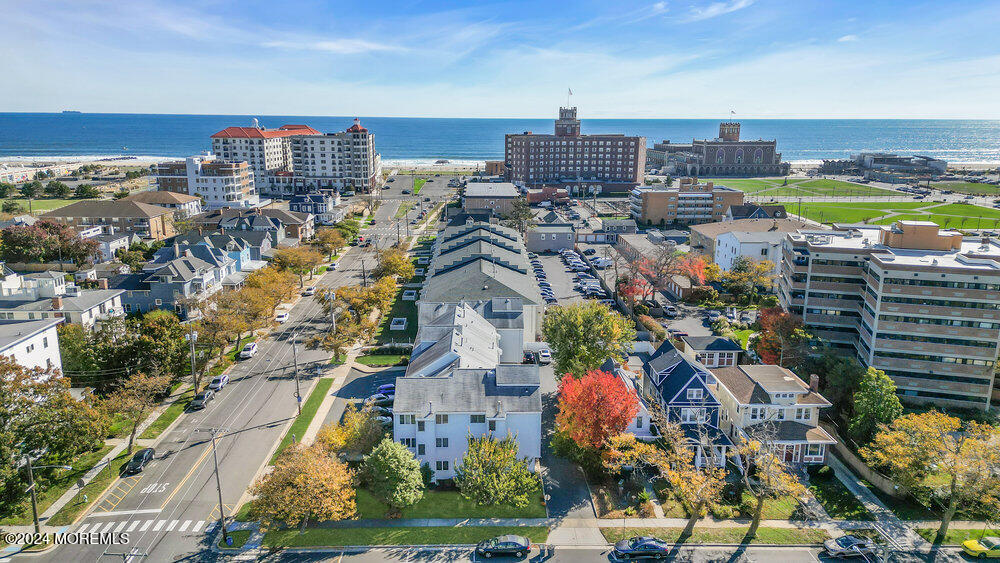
x=248 y=351
x=281 y=317
x=309 y=291
x=544 y=356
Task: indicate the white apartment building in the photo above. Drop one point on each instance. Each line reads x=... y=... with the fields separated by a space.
x=343 y=160
x=32 y=344
x=456 y=386
x=219 y=183
x=731 y=246
x=266 y=150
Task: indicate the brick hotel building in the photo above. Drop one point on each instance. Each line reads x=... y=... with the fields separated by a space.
x=916 y=301
x=611 y=162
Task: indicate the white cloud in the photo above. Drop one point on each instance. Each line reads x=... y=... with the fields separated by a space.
x=336 y=46
x=848 y=38
x=717 y=9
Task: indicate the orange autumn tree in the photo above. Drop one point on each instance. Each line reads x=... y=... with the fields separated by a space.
x=782 y=339
x=595 y=407
x=693 y=268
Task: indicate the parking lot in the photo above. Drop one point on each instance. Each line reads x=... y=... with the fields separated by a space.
x=561 y=279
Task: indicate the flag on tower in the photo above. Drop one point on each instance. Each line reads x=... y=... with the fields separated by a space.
x=570 y=90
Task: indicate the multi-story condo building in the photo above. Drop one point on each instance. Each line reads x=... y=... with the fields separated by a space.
x=919 y=302
x=612 y=162
x=343 y=160
x=770 y=403
x=689 y=202
x=726 y=155
x=147 y=221
x=219 y=183
x=266 y=150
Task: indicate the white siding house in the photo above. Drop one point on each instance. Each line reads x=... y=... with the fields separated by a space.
x=756 y=245
x=32 y=344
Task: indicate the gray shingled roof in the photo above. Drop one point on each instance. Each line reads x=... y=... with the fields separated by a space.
x=480 y=280
x=712 y=343
x=472 y=391
x=12 y=332
x=108 y=208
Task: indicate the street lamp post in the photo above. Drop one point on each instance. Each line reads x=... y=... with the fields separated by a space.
x=218 y=482
x=31 y=489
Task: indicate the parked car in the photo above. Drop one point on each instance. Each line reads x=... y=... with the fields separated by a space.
x=248 y=351
x=529 y=358
x=201 y=400
x=849 y=546
x=518 y=546
x=309 y=291
x=385 y=420
x=382 y=411
x=550 y=300
x=988 y=546
x=380 y=400
x=669 y=311
x=281 y=317
x=139 y=461
x=641 y=547
x=544 y=356
x=406 y=192
x=388 y=388
x=219 y=382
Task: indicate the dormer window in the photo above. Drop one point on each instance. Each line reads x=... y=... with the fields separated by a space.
x=695 y=394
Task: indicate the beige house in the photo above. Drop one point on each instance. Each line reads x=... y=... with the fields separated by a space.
x=148 y=221
x=498 y=197
x=772 y=403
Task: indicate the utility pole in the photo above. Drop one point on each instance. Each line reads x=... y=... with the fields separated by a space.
x=364 y=274
x=31 y=489
x=218 y=481
x=192 y=337
x=295 y=360
x=397 y=234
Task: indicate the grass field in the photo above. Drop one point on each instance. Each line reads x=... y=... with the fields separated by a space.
x=381 y=359
x=967 y=188
x=953 y=215
x=92 y=490
x=309 y=408
x=435 y=535
x=42 y=205
x=800 y=187
x=399 y=308
x=727 y=535
x=449 y=504
x=837 y=500
x=418 y=184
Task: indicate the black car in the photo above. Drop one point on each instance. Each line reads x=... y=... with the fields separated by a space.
x=201 y=400
x=641 y=547
x=139 y=461
x=517 y=546
x=590 y=252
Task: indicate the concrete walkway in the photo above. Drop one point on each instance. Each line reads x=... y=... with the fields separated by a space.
x=339 y=375
x=884 y=518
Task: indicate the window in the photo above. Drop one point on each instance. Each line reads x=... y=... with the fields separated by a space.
x=814 y=450
x=638 y=422
x=421 y=449
x=441 y=466
x=493 y=426
x=695 y=394
x=420 y=426
x=693 y=415
x=477 y=419
x=802 y=414
x=407 y=418
x=440 y=419
x=441 y=442
x=45 y=342
x=408 y=442
x=756 y=413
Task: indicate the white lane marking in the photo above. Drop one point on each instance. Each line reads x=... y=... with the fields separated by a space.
x=82 y=528
x=184 y=526
x=108 y=527
x=146 y=525
x=211 y=526
x=198 y=525
x=159 y=524
x=172 y=524
x=134 y=525
x=121 y=526
x=126 y=512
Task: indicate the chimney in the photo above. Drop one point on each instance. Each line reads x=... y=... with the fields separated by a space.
x=57 y=302
x=814 y=383
x=102 y=283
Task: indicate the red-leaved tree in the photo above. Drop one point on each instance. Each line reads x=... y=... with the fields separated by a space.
x=782 y=339
x=594 y=408
x=692 y=267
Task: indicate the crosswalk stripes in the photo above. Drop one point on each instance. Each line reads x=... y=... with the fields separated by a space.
x=185 y=526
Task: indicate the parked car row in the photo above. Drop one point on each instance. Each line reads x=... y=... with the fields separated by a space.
x=543 y=283
x=573 y=261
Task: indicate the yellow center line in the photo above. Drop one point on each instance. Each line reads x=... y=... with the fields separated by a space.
x=186 y=477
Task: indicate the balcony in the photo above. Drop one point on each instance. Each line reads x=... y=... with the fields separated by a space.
x=947 y=292
x=835 y=320
x=932 y=367
x=837 y=270
x=837 y=287
x=939 y=385
x=940 y=330
x=939 y=310
x=846 y=304
x=935 y=348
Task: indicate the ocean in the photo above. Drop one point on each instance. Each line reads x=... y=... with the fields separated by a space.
x=421 y=140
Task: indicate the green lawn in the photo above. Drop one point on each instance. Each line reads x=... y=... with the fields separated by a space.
x=438 y=535
x=750 y=185
x=168 y=416
x=956 y=536
x=837 y=500
x=239 y=537
x=774 y=509
x=838 y=188
x=905 y=509
x=50 y=489
x=399 y=308
x=967 y=187
x=309 y=408
x=967 y=210
x=835 y=213
x=418 y=184
x=947 y=221
x=743 y=336
x=381 y=359
x=736 y=535
x=404 y=208
x=448 y=504
x=107 y=475
x=43 y=205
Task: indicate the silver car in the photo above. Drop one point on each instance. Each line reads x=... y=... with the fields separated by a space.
x=849 y=546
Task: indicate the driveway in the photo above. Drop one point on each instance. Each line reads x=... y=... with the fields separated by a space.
x=566 y=492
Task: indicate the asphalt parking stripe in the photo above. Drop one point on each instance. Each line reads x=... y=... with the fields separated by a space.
x=121 y=526
x=198 y=525
x=184 y=526
x=146 y=525
x=82 y=528
x=134 y=525
x=173 y=523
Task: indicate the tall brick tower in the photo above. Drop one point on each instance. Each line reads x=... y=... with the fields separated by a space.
x=567 y=125
x=729 y=131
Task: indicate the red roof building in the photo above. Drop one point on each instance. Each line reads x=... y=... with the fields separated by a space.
x=260 y=133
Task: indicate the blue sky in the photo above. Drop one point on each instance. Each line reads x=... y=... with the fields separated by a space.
x=691 y=58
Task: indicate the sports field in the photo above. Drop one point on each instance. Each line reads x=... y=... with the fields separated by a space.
x=952 y=215
x=762 y=188
x=967 y=188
